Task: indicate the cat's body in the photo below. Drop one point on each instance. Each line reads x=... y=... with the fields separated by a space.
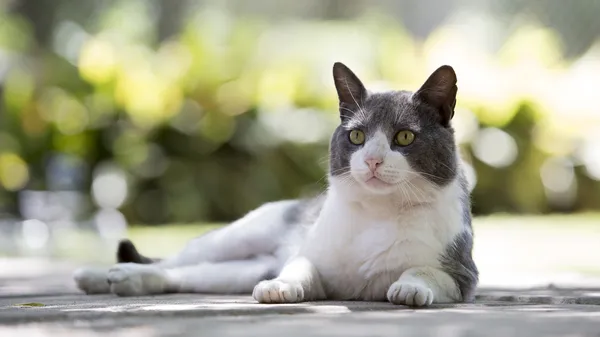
x=360 y=259
x=393 y=225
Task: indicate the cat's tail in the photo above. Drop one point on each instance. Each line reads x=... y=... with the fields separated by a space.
x=128 y=253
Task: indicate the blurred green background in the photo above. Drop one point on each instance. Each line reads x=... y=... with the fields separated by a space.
x=168 y=111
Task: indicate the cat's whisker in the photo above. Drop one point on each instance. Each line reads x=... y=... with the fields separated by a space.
x=349 y=110
x=321 y=179
x=347 y=179
x=416 y=173
x=358 y=116
x=345 y=116
x=406 y=197
x=421 y=192
x=333 y=172
x=411 y=190
x=320 y=195
x=448 y=167
x=399 y=118
x=340 y=169
x=324 y=161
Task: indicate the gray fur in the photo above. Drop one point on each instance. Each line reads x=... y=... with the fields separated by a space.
x=458 y=262
x=433 y=151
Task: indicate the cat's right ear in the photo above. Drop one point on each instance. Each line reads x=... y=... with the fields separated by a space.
x=351 y=92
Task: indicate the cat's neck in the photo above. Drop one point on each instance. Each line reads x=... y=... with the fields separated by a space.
x=413 y=196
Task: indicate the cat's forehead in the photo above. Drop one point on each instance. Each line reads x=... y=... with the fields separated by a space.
x=388 y=110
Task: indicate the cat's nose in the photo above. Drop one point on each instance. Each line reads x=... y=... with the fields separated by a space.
x=373 y=163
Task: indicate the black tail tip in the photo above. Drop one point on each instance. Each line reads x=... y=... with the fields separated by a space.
x=126 y=252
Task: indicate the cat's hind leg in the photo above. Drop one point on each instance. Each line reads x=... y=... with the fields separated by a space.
x=228 y=277
x=92 y=280
x=95 y=280
x=133 y=279
x=260 y=232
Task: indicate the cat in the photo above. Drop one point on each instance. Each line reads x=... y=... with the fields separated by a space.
x=394 y=224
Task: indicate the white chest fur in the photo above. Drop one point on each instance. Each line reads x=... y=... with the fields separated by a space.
x=361 y=249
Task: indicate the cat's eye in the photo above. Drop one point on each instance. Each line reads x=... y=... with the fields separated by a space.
x=357 y=137
x=404 y=138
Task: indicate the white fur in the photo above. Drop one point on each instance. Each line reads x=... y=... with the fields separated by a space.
x=379 y=245
x=130 y=279
x=375 y=239
x=92 y=280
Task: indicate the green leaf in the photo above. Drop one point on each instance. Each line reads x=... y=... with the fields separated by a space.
x=32 y=304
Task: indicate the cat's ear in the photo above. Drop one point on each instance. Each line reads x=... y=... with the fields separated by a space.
x=439 y=91
x=351 y=92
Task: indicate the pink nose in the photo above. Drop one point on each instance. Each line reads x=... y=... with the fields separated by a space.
x=373 y=163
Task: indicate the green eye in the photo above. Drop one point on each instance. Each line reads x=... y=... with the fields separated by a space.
x=404 y=138
x=357 y=137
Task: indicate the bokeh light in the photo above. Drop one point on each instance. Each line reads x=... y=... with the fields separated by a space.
x=495 y=147
x=111 y=224
x=184 y=112
x=109 y=187
x=590 y=156
x=560 y=184
x=14 y=172
x=97 y=61
x=36 y=234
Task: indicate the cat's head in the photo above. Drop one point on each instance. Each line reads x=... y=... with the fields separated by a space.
x=389 y=140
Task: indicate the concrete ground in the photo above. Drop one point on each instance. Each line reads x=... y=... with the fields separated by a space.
x=193 y=315
x=46 y=303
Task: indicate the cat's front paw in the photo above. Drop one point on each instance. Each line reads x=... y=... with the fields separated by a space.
x=130 y=279
x=275 y=291
x=411 y=294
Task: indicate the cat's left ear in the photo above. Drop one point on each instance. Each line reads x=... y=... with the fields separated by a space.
x=439 y=91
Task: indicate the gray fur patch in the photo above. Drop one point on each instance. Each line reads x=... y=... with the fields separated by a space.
x=304 y=211
x=457 y=261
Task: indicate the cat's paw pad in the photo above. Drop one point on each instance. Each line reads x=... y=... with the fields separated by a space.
x=275 y=291
x=130 y=279
x=411 y=294
x=92 y=280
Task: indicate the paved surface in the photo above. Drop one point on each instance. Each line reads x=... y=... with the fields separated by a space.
x=193 y=315
x=59 y=310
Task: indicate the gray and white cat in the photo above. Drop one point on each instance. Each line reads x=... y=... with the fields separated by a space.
x=394 y=224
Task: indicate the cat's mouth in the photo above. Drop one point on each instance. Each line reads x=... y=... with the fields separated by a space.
x=376 y=182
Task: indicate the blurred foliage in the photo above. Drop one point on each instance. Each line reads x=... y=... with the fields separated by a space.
x=211 y=114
